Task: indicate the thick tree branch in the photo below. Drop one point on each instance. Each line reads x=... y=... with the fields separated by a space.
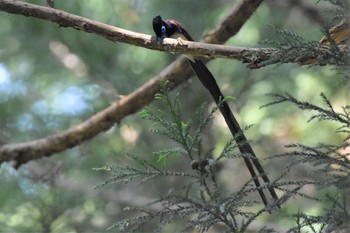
x=254 y=57
x=176 y=73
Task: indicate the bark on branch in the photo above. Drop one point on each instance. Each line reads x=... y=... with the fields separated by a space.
x=176 y=73
x=254 y=57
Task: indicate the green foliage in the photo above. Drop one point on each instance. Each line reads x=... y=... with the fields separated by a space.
x=343 y=4
x=322 y=113
x=40 y=95
x=177 y=129
x=126 y=174
x=332 y=219
x=202 y=202
x=330 y=163
x=292 y=47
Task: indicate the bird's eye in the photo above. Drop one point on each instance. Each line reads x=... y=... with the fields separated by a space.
x=163 y=29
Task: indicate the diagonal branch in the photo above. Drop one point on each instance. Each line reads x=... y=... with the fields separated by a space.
x=176 y=73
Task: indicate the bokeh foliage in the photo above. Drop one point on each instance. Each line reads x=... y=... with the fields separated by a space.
x=52 y=78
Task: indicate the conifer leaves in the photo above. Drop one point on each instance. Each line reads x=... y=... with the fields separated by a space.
x=293 y=48
x=322 y=114
x=202 y=201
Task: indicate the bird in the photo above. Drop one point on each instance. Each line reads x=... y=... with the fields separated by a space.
x=173 y=29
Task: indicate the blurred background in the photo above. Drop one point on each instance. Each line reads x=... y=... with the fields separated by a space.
x=53 y=78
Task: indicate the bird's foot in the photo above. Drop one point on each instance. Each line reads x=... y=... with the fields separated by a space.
x=181 y=41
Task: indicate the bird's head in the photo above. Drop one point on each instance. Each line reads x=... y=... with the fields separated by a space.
x=160 y=28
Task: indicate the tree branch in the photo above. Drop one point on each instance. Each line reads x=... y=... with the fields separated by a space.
x=252 y=56
x=176 y=73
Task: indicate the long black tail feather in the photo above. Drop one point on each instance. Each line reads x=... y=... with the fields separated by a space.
x=210 y=83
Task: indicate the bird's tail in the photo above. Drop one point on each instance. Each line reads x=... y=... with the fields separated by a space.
x=210 y=83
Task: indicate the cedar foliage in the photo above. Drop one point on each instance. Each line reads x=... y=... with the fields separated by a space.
x=202 y=201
